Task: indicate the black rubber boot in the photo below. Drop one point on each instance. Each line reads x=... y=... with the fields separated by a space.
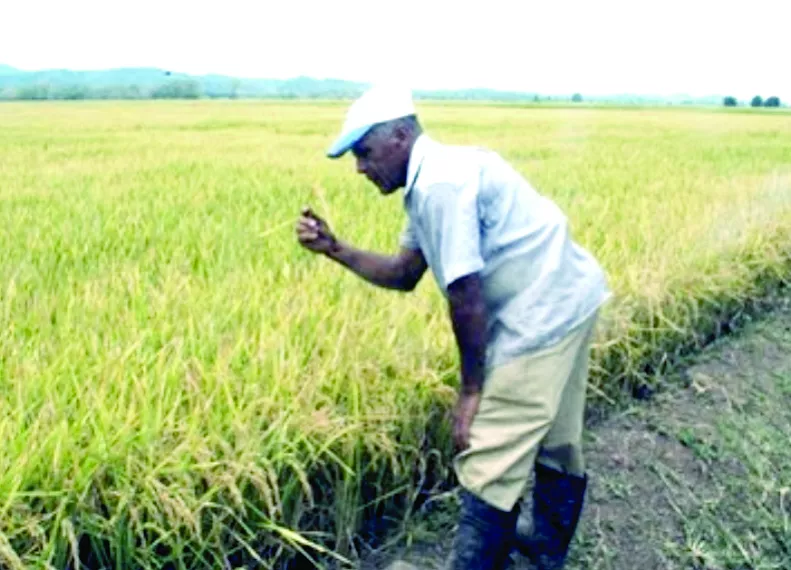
x=557 y=504
x=484 y=538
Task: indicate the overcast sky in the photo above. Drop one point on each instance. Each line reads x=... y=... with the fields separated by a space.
x=597 y=47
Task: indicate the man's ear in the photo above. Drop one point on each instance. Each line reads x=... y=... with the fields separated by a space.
x=400 y=133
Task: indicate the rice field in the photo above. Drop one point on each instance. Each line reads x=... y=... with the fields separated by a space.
x=182 y=386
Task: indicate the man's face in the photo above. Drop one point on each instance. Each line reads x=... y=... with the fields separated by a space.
x=382 y=156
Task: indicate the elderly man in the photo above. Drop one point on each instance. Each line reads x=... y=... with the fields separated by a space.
x=523 y=299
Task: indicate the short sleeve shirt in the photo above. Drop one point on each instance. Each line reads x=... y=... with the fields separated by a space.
x=470 y=212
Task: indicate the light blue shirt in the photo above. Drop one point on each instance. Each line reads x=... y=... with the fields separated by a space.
x=470 y=211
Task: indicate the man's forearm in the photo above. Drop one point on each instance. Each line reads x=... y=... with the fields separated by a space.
x=469 y=318
x=378 y=269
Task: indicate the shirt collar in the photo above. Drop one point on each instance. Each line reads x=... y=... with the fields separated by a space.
x=419 y=150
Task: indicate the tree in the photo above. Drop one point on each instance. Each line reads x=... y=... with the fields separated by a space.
x=729 y=101
x=772 y=102
x=33 y=92
x=178 y=89
x=757 y=101
x=71 y=93
x=577 y=98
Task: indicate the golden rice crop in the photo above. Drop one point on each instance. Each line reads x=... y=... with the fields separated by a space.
x=181 y=386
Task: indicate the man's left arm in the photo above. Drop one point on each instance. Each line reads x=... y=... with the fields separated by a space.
x=468 y=316
x=452 y=218
x=469 y=319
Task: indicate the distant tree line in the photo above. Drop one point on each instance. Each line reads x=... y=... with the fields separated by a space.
x=182 y=88
x=185 y=87
x=176 y=89
x=757 y=101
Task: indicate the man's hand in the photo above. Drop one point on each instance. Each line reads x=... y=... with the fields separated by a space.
x=466 y=408
x=314 y=234
x=400 y=272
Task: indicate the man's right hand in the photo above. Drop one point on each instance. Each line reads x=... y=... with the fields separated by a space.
x=401 y=272
x=314 y=234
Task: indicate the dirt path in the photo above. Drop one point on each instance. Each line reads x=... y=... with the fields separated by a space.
x=699 y=477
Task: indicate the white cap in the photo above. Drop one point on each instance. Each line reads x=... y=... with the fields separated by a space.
x=377 y=105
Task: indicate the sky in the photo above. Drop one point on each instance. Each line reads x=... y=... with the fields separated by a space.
x=696 y=47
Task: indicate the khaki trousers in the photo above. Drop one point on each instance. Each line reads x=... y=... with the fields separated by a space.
x=532 y=409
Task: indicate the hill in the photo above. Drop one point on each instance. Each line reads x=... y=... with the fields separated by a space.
x=157 y=83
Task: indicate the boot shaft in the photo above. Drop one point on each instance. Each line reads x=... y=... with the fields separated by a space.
x=558 y=499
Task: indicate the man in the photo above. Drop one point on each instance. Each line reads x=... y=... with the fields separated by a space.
x=523 y=299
